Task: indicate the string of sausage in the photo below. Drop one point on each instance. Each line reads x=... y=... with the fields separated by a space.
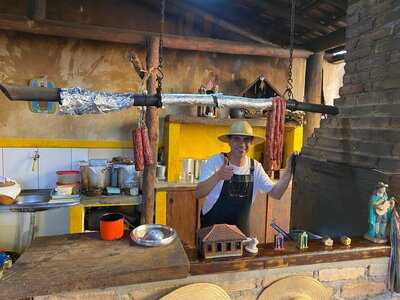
x=275 y=131
x=143 y=153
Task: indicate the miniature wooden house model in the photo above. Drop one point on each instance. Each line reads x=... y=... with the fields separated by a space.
x=220 y=240
x=261 y=88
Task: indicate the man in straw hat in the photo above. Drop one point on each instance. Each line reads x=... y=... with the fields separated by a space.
x=230 y=181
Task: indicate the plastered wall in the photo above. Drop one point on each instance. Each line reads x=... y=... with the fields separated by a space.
x=104 y=66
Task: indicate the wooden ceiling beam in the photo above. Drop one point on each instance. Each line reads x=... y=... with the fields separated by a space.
x=332 y=40
x=313 y=4
x=341 y=4
x=127 y=36
x=284 y=12
x=178 y=7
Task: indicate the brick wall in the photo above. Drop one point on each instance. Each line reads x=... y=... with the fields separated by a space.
x=367 y=131
x=358 y=279
x=351 y=152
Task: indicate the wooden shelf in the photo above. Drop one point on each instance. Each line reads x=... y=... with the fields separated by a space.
x=259 y=122
x=119 y=200
x=267 y=257
x=182 y=119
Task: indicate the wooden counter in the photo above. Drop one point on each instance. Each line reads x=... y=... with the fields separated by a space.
x=83 y=261
x=267 y=257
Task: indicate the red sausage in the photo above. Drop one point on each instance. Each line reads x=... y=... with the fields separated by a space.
x=138 y=149
x=147 y=151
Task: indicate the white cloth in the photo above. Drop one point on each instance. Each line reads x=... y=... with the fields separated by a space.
x=261 y=180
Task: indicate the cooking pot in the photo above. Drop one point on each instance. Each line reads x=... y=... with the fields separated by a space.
x=237 y=113
x=99 y=177
x=111 y=226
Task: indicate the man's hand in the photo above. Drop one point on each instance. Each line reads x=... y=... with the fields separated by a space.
x=226 y=171
x=291 y=161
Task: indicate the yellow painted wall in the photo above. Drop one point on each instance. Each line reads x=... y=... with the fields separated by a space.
x=200 y=141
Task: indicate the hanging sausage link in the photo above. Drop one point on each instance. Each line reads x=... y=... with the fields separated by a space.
x=275 y=133
x=138 y=149
x=147 y=151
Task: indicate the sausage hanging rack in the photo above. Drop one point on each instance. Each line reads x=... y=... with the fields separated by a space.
x=81 y=101
x=78 y=101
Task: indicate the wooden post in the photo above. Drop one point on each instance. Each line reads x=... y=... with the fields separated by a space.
x=38 y=9
x=313 y=89
x=149 y=174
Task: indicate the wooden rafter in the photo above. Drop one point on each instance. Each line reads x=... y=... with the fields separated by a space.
x=178 y=7
x=119 y=35
x=284 y=12
x=329 y=41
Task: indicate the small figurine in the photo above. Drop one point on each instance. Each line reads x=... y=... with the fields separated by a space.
x=5 y=262
x=251 y=245
x=345 y=240
x=278 y=241
x=380 y=212
x=327 y=241
x=302 y=242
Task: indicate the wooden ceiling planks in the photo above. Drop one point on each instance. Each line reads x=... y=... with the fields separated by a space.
x=319 y=23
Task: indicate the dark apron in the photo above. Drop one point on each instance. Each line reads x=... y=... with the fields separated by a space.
x=234 y=203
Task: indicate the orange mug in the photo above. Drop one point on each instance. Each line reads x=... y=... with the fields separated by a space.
x=111 y=226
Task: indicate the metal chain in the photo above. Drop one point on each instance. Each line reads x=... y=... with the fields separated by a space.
x=160 y=74
x=289 y=89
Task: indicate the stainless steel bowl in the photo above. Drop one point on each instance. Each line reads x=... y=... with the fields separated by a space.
x=153 y=235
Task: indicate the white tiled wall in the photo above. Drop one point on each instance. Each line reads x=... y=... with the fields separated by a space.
x=17 y=163
x=110 y=153
x=78 y=154
x=52 y=160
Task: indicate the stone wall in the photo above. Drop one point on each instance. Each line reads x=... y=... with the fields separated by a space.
x=367 y=131
x=358 y=279
x=345 y=158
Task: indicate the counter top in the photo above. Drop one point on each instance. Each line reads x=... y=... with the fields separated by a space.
x=83 y=261
x=166 y=186
x=267 y=257
x=117 y=200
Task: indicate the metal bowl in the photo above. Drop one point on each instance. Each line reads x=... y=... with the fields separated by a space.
x=153 y=235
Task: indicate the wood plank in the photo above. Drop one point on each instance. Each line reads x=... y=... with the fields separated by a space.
x=128 y=36
x=278 y=212
x=332 y=40
x=267 y=257
x=283 y=11
x=84 y=261
x=177 y=7
x=182 y=215
x=258 y=217
x=258 y=122
x=120 y=200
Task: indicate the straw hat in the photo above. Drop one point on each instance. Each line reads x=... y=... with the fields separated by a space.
x=242 y=128
x=295 y=288
x=381 y=184
x=198 y=291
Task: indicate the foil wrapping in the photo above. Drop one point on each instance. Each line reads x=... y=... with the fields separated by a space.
x=79 y=101
x=218 y=100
